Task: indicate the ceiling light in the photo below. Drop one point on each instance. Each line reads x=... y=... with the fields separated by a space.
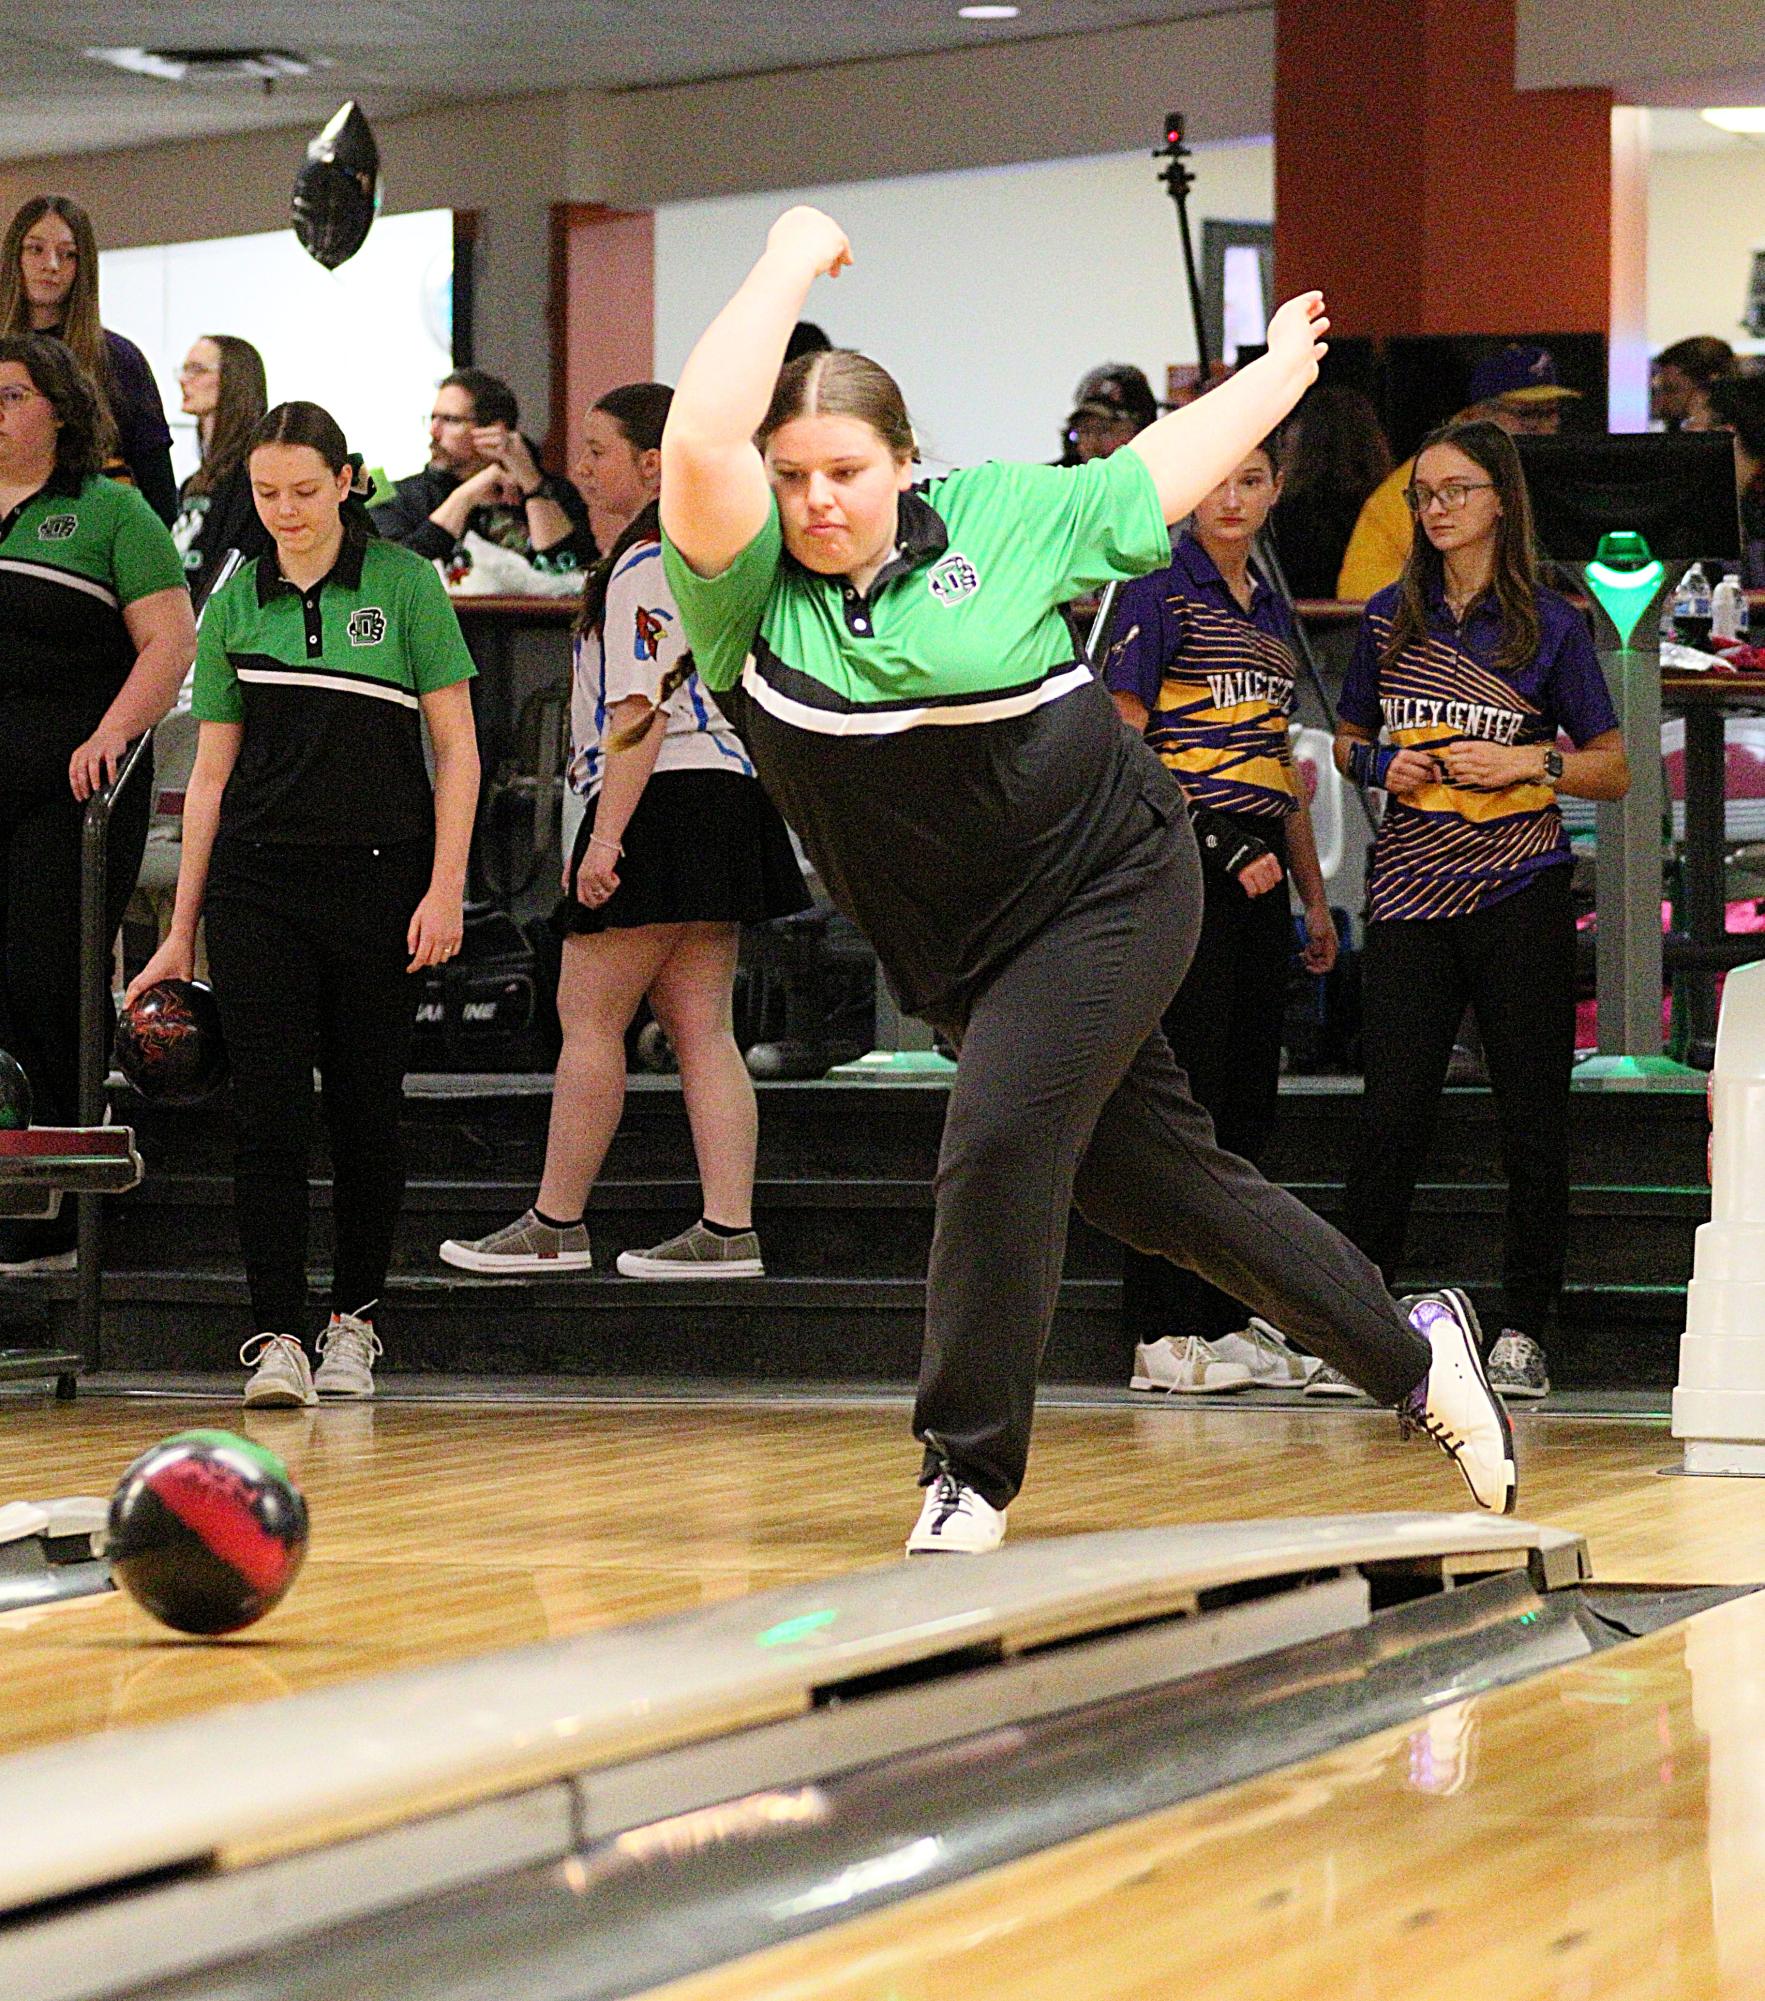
x=988 y=13
x=1737 y=118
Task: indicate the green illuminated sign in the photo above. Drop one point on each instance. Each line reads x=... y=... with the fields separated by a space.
x=1624 y=578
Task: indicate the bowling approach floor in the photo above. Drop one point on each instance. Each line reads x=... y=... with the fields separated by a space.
x=1596 y=1831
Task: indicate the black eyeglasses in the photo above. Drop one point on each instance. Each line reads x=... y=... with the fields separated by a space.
x=1452 y=494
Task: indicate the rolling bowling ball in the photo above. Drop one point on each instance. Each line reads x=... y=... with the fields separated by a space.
x=15 y=1095
x=206 y=1532
x=169 y=1043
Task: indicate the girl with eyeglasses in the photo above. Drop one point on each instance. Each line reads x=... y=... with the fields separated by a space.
x=224 y=389
x=49 y=284
x=95 y=635
x=1465 y=675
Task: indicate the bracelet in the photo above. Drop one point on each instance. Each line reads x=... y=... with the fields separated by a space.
x=1370 y=763
x=600 y=841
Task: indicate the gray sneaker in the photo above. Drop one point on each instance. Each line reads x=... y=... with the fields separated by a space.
x=1329 y=1382
x=525 y=1247
x=1516 y=1367
x=697 y=1253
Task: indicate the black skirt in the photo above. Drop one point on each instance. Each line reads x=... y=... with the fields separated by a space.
x=702 y=847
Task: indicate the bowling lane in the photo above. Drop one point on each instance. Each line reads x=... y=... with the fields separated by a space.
x=448 y=1529
x=1594 y=1832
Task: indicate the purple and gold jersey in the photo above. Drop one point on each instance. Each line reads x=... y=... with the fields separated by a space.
x=1217 y=681
x=1448 y=850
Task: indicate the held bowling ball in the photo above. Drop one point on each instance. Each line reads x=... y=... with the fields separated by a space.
x=206 y=1531
x=15 y=1095
x=169 y=1043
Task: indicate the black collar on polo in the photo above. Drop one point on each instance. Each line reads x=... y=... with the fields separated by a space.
x=347 y=570
x=920 y=536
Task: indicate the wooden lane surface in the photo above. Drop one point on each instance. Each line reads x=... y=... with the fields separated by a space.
x=1596 y=1834
x=447 y=1530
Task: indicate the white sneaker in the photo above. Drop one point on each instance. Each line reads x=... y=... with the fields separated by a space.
x=1455 y=1406
x=1263 y=1350
x=350 y=1348
x=955 y=1521
x=1190 y=1367
x=283 y=1377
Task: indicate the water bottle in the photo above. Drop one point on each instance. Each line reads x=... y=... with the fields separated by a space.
x=1691 y=609
x=1728 y=608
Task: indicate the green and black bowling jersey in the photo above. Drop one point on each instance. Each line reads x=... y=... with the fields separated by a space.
x=328 y=683
x=72 y=559
x=954 y=774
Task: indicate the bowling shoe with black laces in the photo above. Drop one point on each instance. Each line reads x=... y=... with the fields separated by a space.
x=1454 y=1404
x=955 y=1521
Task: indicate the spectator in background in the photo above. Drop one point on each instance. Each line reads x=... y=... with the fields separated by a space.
x=1111 y=405
x=1680 y=380
x=1515 y=388
x=1333 y=454
x=483 y=478
x=95 y=635
x=49 y=284
x=224 y=389
x=1737 y=403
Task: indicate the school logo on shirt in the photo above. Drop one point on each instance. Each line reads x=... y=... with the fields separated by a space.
x=366 y=627
x=652 y=629
x=58 y=528
x=953 y=579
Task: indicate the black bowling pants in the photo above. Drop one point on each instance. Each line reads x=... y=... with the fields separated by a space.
x=1514 y=965
x=307 y=949
x=1066 y=1091
x=40 y=833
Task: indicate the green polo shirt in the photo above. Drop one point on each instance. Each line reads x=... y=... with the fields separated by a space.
x=73 y=557
x=329 y=684
x=953 y=772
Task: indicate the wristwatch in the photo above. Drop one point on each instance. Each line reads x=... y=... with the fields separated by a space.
x=1553 y=763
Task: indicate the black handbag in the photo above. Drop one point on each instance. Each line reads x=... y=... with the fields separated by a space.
x=490 y=1008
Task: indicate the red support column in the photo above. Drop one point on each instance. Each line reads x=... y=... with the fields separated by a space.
x=603 y=313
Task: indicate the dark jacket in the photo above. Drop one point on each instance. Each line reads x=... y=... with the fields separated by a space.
x=405 y=518
x=211 y=525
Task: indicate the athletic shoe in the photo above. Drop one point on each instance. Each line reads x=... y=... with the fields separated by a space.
x=283 y=1377
x=1455 y=1406
x=1264 y=1351
x=1329 y=1382
x=697 y=1253
x=1517 y=1367
x=350 y=1348
x=28 y=1245
x=524 y=1246
x=1190 y=1367
x=955 y=1521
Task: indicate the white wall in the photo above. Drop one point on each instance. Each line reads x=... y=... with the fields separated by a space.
x=369 y=341
x=988 y=292
x=1706 y=218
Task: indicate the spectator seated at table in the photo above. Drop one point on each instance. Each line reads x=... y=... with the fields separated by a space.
x=1737 y=404
x=483 y=479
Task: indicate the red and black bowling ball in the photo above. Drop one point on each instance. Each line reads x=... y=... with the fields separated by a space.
x=15 y=1095
x=207 y=1531
x=169 y=1043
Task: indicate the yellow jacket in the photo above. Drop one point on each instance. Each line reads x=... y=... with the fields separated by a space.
x=1380 y=544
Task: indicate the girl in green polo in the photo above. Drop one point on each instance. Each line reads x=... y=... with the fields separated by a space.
x=330 y=872
x=894 y=657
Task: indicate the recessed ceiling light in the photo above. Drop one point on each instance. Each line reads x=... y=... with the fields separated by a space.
x=988 y=13
x=1737 y=118
x=265 y=66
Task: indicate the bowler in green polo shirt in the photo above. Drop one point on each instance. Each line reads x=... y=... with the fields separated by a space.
x=330 y=874
x=894 y=657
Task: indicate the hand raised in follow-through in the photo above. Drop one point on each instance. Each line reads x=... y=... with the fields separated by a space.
x=811 y=239
x=1296 y=334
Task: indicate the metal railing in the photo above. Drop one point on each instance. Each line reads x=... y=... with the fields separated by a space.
x=95 y=946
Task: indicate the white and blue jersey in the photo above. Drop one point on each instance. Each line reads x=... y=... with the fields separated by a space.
x=640 y=641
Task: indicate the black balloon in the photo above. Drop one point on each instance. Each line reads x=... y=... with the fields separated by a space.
x=169 y=1043
x=337 y=191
